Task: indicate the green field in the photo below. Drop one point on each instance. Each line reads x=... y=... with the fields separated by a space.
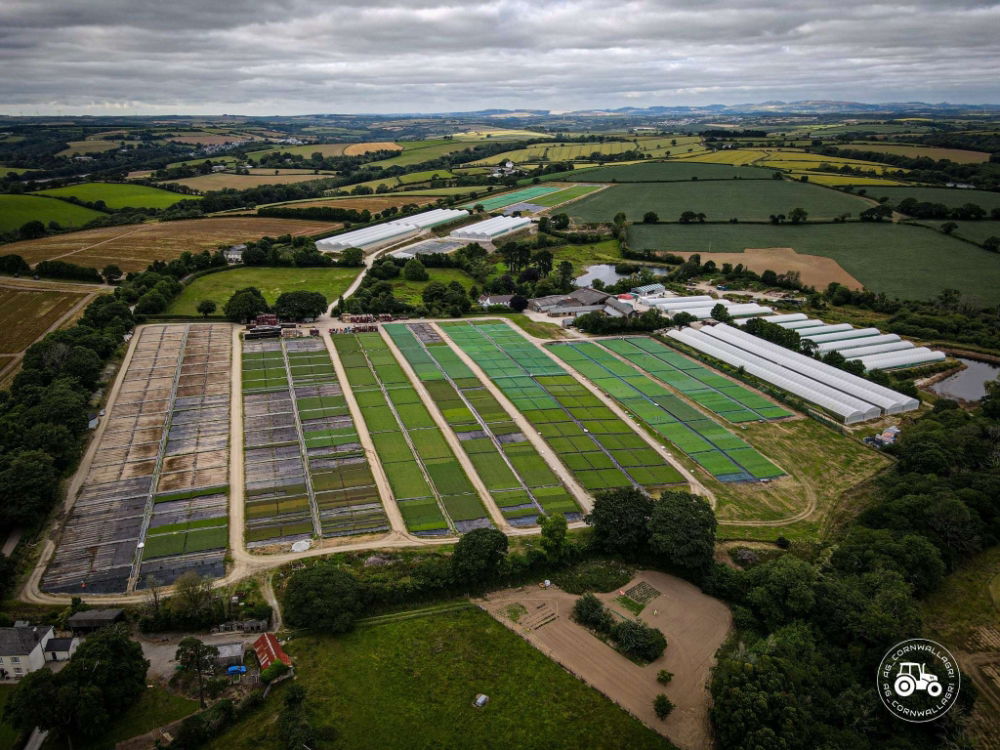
x=416 y=152
x=411 y=683
x=667 y=171
x=719 y=200
x=17 y=210
x=901 y=260
x=117 y=195
x=577 y=191
x=219 y=287
x=411 y=291
x=14 y=170
x=976 y=231
x=950 y=197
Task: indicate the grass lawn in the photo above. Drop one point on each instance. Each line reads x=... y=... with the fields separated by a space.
x=719 y=200
x=822 y=465
x=154 y=708
x=219 y=287
x=411 y=291
x=411 y=683
x=582 y=256
x=119 y=196
x=900 y=260
x=17 y=210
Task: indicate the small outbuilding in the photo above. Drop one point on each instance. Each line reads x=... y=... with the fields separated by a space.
x=92 y=620
x=230 y=654
x=268 y=650
x=60 y=649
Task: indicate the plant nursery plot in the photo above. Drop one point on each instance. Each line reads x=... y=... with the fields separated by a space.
x=499 y=452
x=687 y=428
x=430 y=470
x=162 y=459
x=516 y=366
x=709 y=389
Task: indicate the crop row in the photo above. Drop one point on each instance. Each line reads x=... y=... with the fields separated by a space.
x=518 y=479
x=431 y=489
x=600 y=449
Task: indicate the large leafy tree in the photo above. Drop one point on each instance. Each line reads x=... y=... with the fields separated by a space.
x=620 y=520
x=478 y=556
x=299 y=305
x=324 y=597
x=244 y=305
x=682 y=530
x=197 y=657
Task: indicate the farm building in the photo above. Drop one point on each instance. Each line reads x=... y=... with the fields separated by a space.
x=93 y=619
x=492 y=229
x=851 y=398
x=581 y=302
x=648 y=289
x=380 y=235
x=22 y=650
x=702 y=308
x=495 y=299
x=60 y=649
x=230 y=654
x=268 y=650
x=874 y=349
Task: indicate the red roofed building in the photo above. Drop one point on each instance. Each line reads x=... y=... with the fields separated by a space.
x=268 y=651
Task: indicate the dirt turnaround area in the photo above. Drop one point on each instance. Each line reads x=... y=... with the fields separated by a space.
x=694 y=624
x=814 y=270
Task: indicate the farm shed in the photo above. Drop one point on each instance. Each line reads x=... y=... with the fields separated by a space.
x=648 y=289
x=60 y=649
x=93 y=619
x=230 y=654
x=491 y=229
x=268 y=650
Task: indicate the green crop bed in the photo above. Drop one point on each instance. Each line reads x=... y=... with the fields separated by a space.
x=669 y=171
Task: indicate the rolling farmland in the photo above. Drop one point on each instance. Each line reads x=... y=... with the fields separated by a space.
x=957 y=155
x=950 y=197
x=718 y=200
x=668 y=171
x=153 y=504
x=225 y=181
x=416 y=152
x=134 y=246
x=900 y=260
x=27 y=313
x=17 y=210
x=115 y=195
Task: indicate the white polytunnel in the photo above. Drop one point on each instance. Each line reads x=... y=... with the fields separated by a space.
x=490 y=229
x=842 y=346
x=796 y=324
x=917 y=356
x=865 y=351
x=785 y=318
x=856 y=333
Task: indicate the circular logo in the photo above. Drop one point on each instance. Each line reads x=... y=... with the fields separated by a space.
x=918 y=680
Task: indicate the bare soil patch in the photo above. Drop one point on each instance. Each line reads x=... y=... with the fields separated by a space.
x=694 y=624
x=814 y=270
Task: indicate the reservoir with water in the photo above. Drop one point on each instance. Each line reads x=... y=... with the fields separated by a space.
x=970 y=383
x=606 y=272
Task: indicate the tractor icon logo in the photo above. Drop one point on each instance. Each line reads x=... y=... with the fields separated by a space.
x=918 y=680
x=913 y=676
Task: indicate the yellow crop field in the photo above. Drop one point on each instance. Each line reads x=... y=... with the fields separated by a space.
x=654 y=146
x=88 y=147
x=356 y=149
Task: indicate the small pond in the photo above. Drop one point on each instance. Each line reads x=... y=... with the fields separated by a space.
x=970 y=383
x=606 y=272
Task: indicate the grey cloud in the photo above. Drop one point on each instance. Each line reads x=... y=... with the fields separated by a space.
x=294 y=56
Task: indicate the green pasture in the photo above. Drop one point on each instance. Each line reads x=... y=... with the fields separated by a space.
x=417 y=152
x=410 y=683
x=719 y=200
x=667 y=171
x=119 y=195
x=219 y=287
x=950 y=197
x=17 y=210
x=901 y=260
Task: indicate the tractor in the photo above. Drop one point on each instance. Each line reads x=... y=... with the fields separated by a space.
x=913 y=676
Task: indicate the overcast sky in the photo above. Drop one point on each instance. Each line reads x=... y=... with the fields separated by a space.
x=310 y=56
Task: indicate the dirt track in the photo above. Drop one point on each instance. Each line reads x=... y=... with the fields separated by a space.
x=814 y=270
x=694 y=624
